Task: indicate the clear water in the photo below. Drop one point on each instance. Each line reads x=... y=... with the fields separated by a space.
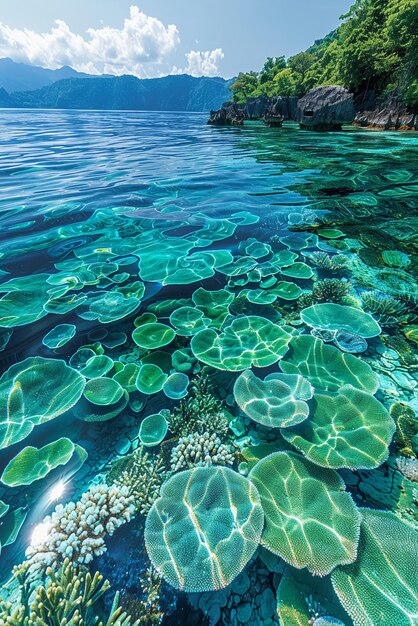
x=97 y=186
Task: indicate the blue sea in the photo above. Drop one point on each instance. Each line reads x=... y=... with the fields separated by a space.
x=160 y=278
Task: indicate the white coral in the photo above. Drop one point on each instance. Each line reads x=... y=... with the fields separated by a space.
x=77 y=530
x=196 y=449
x=408 y=467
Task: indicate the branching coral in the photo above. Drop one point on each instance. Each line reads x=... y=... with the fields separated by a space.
x=77 y=530
x=408 y=467
x=200 y=449
x=305 y=300
x=142 y=475
x=200 y=412
x=406 y=427
x=330 y=290
x=67 y=596
x=332 y=263
x=149 y=607
x=388 y=310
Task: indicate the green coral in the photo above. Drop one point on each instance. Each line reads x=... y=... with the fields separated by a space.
x=32 y=464
x=380 y=586
x=153 y=335
x=69 y=595
x=304 y=599
x=310 y=520
x=153 y=429
x=204 y=528
x=350 y=429
x=330 y=316
x=248 y=341
x=278 y=401
x=330 y=290
x=200 y=412
x=326 y=367
x=33 y=392
x=142 y=474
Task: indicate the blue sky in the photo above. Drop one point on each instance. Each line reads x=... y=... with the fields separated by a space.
x=156 y=37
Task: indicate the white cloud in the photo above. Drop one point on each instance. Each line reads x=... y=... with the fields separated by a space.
x=204 y=63
x=141 y=47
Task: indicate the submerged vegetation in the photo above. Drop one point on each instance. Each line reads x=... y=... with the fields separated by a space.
x=374 y=48
x=208 y=400
x=232 y=463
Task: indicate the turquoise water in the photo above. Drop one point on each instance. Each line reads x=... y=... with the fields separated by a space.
x=147 y=260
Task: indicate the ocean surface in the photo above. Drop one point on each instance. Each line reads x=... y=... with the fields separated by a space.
x=146 y=261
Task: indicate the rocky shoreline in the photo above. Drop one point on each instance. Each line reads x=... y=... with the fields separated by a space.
x=322 y=108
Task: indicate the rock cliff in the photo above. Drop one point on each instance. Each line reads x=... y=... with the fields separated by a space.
x=389 y=115
x=323 y=108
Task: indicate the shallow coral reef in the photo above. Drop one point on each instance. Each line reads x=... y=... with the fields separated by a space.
x=208 y=400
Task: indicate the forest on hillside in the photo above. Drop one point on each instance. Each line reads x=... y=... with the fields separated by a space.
x=374 y=48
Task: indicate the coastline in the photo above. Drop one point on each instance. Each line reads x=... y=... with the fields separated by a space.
x=329 y=108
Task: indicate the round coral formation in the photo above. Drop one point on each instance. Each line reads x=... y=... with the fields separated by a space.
x=204 y=528
x=331 y=316
x=35 y=391
x=247 y=341
x=326 y=367
x=278 y=401
x=380 y=587
x=153 y=429
x=311 y=521
x=153 y=335
x=350 y=429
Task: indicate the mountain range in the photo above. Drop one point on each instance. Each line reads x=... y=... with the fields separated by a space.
x=22 y=77
x=28 y=86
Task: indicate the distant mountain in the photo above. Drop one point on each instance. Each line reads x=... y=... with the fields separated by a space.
x=23 y=77
x=171 y=93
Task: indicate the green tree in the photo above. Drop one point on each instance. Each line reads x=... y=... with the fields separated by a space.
x=375 y=47
x=271 y=67
x=300 y=64
x=244 y=86
x=402 y=33
x=286 y=84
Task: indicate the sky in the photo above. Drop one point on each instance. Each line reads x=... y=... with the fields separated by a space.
x=152 y=38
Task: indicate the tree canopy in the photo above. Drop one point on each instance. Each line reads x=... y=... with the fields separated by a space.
x=375 y=47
